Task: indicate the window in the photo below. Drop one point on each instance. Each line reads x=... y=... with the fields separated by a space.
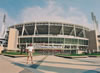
x=25 y=40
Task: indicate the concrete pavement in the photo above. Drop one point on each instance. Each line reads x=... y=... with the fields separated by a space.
x=7 y=67
x=53 y=64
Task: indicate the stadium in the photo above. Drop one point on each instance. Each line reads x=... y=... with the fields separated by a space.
x=52 y=37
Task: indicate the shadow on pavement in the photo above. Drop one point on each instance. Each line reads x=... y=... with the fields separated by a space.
x=30 y=68
x=26 y=71
x=35 y=66
x=91 y=71
x=27 y=68
x=60 y=69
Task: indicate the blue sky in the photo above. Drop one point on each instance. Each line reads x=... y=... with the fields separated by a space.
x=72 y=11
x=13 y=7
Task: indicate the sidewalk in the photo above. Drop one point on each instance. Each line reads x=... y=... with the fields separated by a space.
x=7 y=67
x=53 y=64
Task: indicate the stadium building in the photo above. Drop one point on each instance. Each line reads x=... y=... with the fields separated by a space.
x=52 y=37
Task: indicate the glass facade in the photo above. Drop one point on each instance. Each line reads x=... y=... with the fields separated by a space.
x=42 y=29
x=40 y=40
x=55 y=30
x=25 y=40
x=71 y=41
x=83 y=42
x=54 y=40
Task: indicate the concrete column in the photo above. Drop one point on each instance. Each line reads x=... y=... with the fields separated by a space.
x=23 y=30
x=35 y=28
x=64 y=37
x=48 y=32
x=74 y=30
x=13 y=39
x=84 y=32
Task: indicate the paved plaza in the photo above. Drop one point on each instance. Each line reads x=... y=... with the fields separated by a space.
x=49 y=64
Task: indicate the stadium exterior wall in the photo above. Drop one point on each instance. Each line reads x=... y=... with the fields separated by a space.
x=53 y=36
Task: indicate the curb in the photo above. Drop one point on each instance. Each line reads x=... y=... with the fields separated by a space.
x=14 y=56
x=72 y=57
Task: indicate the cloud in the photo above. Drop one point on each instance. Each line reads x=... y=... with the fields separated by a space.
x=50 y=12
x=38 y=13
x=53 y=12
x=78 y=17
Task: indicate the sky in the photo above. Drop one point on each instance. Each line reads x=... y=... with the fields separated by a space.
x=69 y=11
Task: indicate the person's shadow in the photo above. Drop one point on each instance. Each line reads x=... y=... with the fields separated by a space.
x=31 y=68
x=35 y=66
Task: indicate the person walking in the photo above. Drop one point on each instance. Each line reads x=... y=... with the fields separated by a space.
x=30 y=51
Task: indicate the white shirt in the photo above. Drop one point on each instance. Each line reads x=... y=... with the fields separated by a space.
x=30 y=48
